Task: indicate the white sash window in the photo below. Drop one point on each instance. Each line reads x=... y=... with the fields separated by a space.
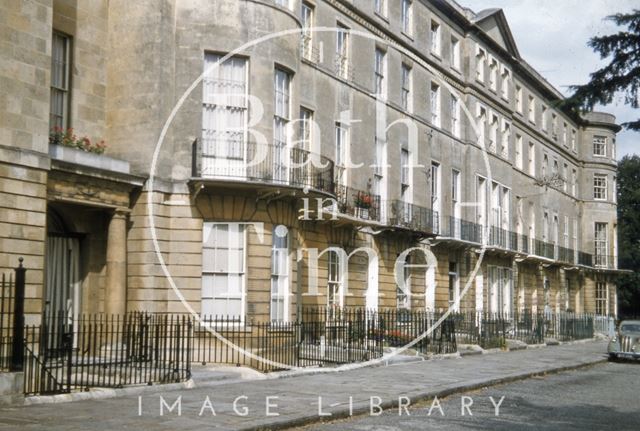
x=223 y=270
x=224 y=117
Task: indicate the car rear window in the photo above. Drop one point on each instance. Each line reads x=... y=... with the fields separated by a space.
x=630 y=327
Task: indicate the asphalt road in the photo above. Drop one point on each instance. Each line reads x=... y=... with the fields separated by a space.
x=602 y=397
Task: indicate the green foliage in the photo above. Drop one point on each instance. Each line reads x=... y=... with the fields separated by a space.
x=621 y=75
x=629 y=234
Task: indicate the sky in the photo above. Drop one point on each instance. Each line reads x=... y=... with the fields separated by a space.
x=552 y=36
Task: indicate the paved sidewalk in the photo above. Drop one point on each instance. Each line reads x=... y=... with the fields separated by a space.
x=298 y=398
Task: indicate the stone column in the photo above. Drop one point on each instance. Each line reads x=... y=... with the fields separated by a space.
x=115 y=300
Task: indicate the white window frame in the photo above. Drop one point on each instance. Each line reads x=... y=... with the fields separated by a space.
x=481 y=63
x=600 y=146
x=435 y=32
x=281 y=119
x=403 y=296
x=436 y=188
x=600 y=187
x=380 y=71
x=407 y=86
x=506 y=138
x=335 y=281
x=456 y=207
x=602 y=298
x=60 y=80
x=307 y=15
x=519 y=100
x=532 y=109
x=212 y=270
x=306 y=129
x=455 y=52
x=455 y=116
x=506 y=80
x=493 y=73
x=531 y=168
x=406 y=16
x=280 y=280
x=405 y=168
x=454 y=285
x=601 y=243
x=224 y=116
x=342 y=149
x=342 y=51
x=519 y=150
x=493 y=133
x=481 y=200
x=434 y=94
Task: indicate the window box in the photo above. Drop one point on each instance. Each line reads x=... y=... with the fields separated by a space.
x=79 y=157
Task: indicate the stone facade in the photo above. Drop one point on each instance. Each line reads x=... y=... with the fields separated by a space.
x=130 y=63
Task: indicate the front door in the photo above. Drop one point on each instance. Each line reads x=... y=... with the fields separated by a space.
x=63 y=280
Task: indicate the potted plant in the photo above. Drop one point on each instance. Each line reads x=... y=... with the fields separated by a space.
x=67 y=138
x=362 y=203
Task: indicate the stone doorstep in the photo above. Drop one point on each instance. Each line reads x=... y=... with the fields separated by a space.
x=246 y=374
x=11 y=388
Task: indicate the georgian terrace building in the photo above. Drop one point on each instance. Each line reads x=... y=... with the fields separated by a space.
x=236 y=236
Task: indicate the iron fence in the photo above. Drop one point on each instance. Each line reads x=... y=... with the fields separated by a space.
x=491 y=330
x=64 y=354
x=6 y=320
x=230 y=340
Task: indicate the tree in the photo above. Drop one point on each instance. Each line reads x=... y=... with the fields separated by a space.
x=621 y=75
x=629 y=234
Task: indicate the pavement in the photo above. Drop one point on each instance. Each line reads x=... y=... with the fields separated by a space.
x=601 y=397
x=293 y=401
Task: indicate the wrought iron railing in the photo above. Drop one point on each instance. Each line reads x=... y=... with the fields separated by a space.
x=503 y=238
x=543 y=249
x=566 y=255
x=462 y=230
x=143 y=348
x=604 y=261
x=6 y=320
x=65 y=354
x=12 y=295
x=493 y=329
x=357 y=203
x=410 y=216
x=237 y=160
x=523 y=244
x=585 y=259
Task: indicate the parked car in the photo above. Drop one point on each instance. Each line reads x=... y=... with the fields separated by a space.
x=625 y=343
